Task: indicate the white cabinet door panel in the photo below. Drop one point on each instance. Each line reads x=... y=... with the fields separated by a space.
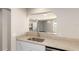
x=18 y=46
x=27 y=46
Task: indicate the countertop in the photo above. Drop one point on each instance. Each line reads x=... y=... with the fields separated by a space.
x=54 y=41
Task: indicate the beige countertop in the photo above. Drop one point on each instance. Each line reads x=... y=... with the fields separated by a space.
x=54 y=41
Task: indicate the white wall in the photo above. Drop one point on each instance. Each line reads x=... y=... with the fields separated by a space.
x=18 y=24
x=67 y=22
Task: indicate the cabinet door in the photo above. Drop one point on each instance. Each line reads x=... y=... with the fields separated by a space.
x=18 y=46
x=27 y=46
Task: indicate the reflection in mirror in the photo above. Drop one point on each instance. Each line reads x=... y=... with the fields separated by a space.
x=43 y=22
x=33 y=25
x=45 y=26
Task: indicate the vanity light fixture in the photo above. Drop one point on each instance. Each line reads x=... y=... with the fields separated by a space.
x=48 y=21
x=54 y=23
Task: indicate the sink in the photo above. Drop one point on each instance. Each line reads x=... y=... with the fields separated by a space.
x=36 y=39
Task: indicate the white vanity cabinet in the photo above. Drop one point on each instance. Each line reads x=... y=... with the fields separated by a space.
x=28 y=46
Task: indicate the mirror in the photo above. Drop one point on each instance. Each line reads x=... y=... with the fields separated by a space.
x=42 y=22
